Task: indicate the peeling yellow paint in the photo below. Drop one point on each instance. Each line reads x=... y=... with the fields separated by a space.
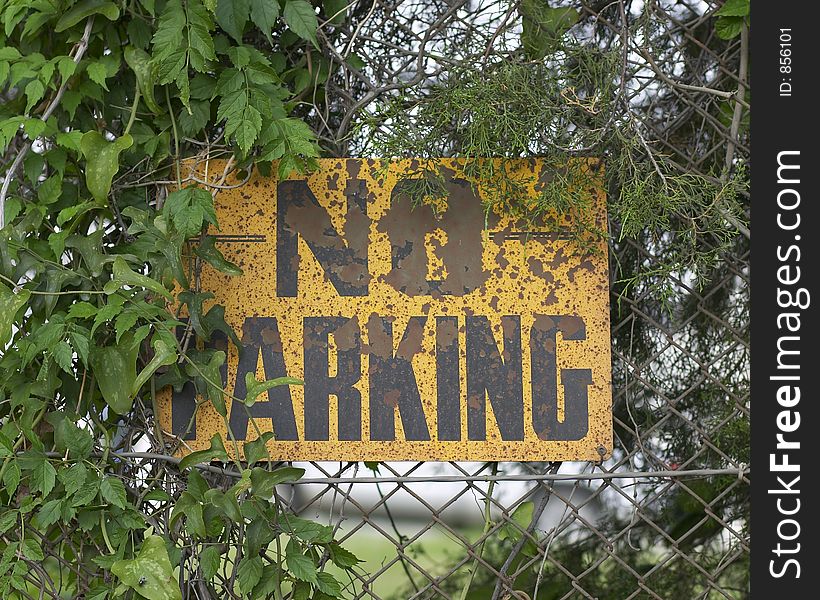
x=527 y=275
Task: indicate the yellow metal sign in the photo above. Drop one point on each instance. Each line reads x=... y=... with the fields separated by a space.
x=421 y=332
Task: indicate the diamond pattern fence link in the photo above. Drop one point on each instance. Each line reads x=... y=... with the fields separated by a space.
x=665 y=517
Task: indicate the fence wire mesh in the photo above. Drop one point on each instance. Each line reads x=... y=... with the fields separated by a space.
x=667 y=515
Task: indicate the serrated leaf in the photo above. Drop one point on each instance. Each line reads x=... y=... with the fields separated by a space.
x=43 y=477
x=34 y=91
x=8 y=519
x=112 y=491
x=73 y=478
x=231 y=15
x=342 y=557
x=264 y=14
x=11 y=479
x=10 y=303
x=195 y=521
x=97 y=73
x=63 y=355
x=209 y=561
x=150 y=572
x=49 y=513
x=301 y=18
x=32 y=549
x=249 y=573
x=300 y=566
x=327 y=584
x=248 y=129
x=69 y=139
x=124 y=322
x=734 y=8
x=102 y=161
x=84 y=9
x=140 y=63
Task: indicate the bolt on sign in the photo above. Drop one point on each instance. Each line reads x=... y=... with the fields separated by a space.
x=421 y=331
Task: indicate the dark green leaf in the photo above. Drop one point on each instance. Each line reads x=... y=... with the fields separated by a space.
x=209 y=561
x=734 y=8
x=249 y=573
x=231 y=15
x=102 y=162
x=255 y=450
x=327 y=584
x=208 y=252
x=49 y=513
x=342 y=557
x=84 y=9
x=164 y=355
x=215 y=452
x=72 y=478
x=299 y=565
x=11 y=478
x=264 y=482
x=543 y=26
x=728 y=28
x=123 y=275
x=264 y=14
x=113 y=491
x=32 y=549
x=115 y=372
x=43 y=477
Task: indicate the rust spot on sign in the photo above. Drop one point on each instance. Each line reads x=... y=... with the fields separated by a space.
x=421 y=334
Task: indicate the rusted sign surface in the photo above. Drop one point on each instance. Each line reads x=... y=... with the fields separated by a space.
x=419 y=334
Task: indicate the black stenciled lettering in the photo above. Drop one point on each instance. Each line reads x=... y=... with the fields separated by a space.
x=496 y=375
x=319 y=385
x=260 y=335
x=393 y=382
x=545 y=385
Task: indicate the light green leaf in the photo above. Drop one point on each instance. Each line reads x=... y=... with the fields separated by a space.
x=11 y=479
x=342 y=557
x=73 y=478
x=115 y=369
x=164 y=355
x=113 y=491
x=97 y=73
x=32 y=549
x=249 y=573
x=62 y=353
x=49 y=513
x=10 y=303
x=734 y=8
x=256 y=388
x=300 y=566
x=8 y=518
x=231 y=15
x=301 y=18
x=149 y=574
x=140 y=63
x=102 y=161
x=213 y=379
x=227 y=503
x=34 y=92
x=123 y=275
x=69 y=139
x=84 y=9
x=264 y=14
x=327 y=584
x=249 y=127
x=209 y=561
x=71 y=212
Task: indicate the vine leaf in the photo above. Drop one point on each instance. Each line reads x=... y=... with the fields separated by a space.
x=150 y=573
x=123 y=275
x=264 y=482
x=84 y=9
x=216 y=451
x=115 y=369
x=301 y=18
x=257 y=388
x=10 y=303
x=164 y=355
x=231 y=15
x=140 y=62
x=264 y=14
x=102 y=159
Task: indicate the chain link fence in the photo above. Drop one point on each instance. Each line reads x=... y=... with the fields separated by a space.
x=667 y=516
